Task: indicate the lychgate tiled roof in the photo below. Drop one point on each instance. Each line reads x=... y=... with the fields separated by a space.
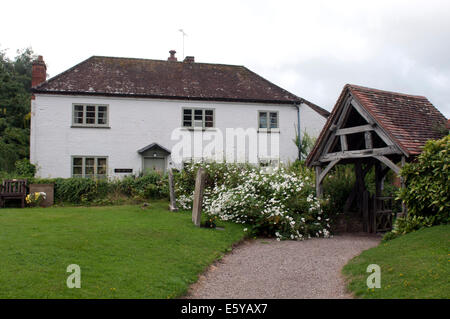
x=166 y=79
x=409 y=120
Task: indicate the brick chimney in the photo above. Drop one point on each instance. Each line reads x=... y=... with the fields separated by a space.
x=38 y=71
x=172 y=56
x=189 y=59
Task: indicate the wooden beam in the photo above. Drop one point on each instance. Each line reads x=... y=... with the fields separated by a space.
x=365 y=211
x=344 y=145
x=368 y=139
x=355 y=129
x=327 y=169
x=333 y=127
x=359 y=153
x=388 y=163
x=378 y=179
x=319 y=189
x=402 y=180
x=362 y=112
x=343 y=114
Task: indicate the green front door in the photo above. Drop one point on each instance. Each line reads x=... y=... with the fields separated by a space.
x=154 y=164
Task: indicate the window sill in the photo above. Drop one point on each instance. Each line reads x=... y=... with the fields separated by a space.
x=89 y=126
x=210 y=129
x=273 y=130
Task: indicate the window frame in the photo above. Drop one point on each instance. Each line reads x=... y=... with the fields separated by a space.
x=83 y=166
x=95 y=124
x=268 y=128
x=193 y=109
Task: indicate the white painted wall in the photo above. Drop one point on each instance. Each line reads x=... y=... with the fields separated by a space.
x=311 y=121
x=135 y=123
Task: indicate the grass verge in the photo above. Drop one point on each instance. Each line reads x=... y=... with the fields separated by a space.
x=416 y=265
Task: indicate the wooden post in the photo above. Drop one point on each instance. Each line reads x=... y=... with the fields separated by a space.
x=378 y=179
x=360 y=187
x=368 y=139
x=319 y=189
x=402 y=180
x=365 y=211
x=173 y=202
x=198 y=196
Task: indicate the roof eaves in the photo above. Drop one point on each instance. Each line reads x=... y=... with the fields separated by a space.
x=168 y=97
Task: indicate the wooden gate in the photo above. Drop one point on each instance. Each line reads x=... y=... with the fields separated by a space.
x=382 y=215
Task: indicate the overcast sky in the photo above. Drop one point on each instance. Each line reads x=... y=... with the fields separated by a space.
x=311 y=48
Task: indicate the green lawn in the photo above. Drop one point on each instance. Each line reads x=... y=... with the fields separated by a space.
x=123 y=251
x=416 y=265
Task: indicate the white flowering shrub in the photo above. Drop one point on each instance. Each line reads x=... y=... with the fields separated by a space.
x=277 y=203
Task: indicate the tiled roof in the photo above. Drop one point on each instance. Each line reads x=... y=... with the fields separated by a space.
x=409 y=120
x=317 y=108
x=166 y=79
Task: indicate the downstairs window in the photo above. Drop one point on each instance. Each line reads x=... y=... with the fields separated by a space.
x=90 y=166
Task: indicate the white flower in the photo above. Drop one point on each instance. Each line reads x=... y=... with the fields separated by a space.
x=245 y=229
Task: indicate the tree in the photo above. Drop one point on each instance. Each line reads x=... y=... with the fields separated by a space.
x=15 y=96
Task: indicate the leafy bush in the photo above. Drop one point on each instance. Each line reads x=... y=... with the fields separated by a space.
x=25 y=168
x=337 y=186
x=80 y=190
x=274 y=202
x=88 y=191
x=150 y=185
x=427 y=181
x=404 y=225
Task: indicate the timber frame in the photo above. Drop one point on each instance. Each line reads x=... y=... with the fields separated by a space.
x=374 y=130
x=353 y=136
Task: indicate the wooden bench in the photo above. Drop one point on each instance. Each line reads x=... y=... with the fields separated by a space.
x=13 y=189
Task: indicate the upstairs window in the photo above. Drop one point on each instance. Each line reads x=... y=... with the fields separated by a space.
x=89 y=166
x=203 y=118
x=268 y=120
x=90 y=115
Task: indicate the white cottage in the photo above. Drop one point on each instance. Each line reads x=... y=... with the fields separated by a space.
x=110 y=116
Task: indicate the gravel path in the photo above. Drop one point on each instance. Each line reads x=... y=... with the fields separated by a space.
x=266 y=268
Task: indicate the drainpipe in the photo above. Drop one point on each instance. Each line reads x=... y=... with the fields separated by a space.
x=298 y=130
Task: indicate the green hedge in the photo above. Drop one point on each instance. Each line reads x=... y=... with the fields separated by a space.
x=88 y=191
x=427 y=181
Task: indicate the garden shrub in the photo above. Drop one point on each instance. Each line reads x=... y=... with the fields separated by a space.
x=80 y=190
x=337 y=186
x=88 y=191
x=427 y=181
x=410 y=223
x=24 y=168
x=275 y=202
x=148 y=186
